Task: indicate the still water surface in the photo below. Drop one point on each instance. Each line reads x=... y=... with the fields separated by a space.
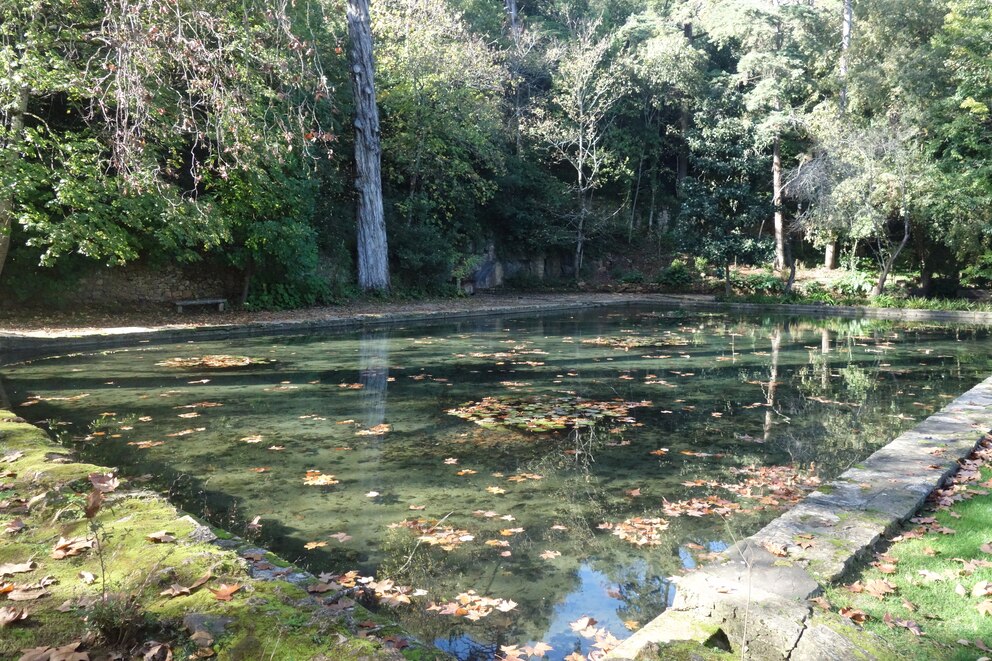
x=687 y=417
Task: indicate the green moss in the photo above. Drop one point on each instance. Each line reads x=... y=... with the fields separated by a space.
x=269 y=619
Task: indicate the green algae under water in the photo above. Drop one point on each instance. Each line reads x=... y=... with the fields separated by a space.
x=715 y=394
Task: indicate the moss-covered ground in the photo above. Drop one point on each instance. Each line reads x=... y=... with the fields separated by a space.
x=109 y=599
x=929 y=593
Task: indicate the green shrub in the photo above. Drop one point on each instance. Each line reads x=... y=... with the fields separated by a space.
x=632 y=278
x=677 y=275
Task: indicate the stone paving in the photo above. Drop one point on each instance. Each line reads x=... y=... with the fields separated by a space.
x=758 y=594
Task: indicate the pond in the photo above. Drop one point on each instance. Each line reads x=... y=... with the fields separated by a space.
x=518 y=474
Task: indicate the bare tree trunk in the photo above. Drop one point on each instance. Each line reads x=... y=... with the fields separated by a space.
x=15 y=126
x=580 y=242
x=891 y=259
x=777 y=202
x=373 y=253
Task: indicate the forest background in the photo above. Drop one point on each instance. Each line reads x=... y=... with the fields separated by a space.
x=710 y=133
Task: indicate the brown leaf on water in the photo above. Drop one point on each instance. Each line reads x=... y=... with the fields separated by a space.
x=224 y=592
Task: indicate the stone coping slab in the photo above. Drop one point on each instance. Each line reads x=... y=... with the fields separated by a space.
x=760 y=599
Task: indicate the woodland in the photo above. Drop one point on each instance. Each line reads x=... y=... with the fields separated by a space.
x=322 y=147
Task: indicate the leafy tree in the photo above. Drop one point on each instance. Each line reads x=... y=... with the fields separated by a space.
x=723 y=200
x=573 y=125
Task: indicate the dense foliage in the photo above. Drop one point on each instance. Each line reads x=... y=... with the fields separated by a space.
x=742 y=131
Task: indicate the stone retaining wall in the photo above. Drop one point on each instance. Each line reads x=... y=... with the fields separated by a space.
x=149 y=284
x=761 y=601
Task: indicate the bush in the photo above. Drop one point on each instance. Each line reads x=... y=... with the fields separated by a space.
x=524 y=281
x=677 y=275
x=854 y=283
x=632 y=278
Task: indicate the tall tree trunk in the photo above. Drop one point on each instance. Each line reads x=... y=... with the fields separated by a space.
x=15 y=127
x=580 y=241
x=830 y=254
x=845 y=44
x=891 y=259
x=682 y=158
x=847 y=24
x=777 y=202
x=373 y=254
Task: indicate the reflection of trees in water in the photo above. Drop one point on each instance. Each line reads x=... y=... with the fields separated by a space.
x=373 y=374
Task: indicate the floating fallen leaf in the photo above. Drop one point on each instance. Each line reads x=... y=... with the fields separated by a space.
x=314 y=545
x=550 y=555
x=318 y=479
x=341 y=536
x=496 y=490
x=372 y=494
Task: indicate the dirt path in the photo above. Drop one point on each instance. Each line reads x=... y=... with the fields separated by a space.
x=90 y=323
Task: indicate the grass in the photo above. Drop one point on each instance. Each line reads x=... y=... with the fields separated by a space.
x=123 y=607
x=925 y=570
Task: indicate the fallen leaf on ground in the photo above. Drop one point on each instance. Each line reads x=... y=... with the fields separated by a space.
x=67 y=548
x=10 y=614
x=12 y=568
x=224 y=592
x=161 y=537
x=853 y=614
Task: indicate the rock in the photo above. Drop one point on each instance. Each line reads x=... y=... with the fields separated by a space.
x=201 y=533
x=212 y=625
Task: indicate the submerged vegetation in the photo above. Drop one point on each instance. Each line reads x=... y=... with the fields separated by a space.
x=618 y=448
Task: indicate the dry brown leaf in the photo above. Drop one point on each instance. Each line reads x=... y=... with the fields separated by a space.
x=224 y=592
x=11 y=614
x=12 y=568
x=161 y=537
x=855 y=615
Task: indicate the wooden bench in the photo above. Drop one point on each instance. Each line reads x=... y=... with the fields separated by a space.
x=221 y=303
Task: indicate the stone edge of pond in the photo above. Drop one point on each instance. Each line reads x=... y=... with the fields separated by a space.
x=19 y=345
x=260 y=565
x=760 y=600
